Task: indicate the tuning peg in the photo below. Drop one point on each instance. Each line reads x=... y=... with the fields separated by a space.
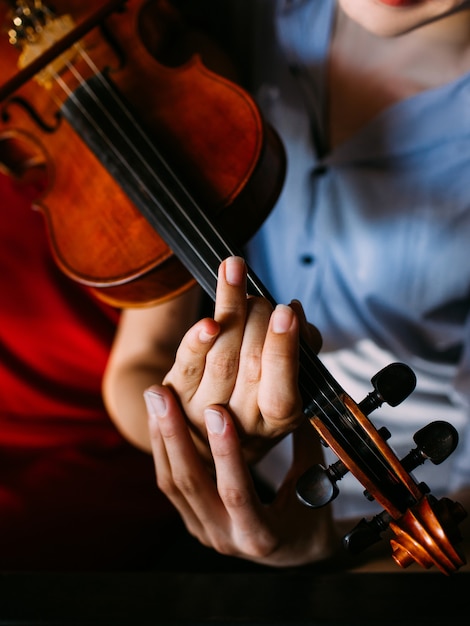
x=366 y=533
x=435 y=442
x=318 y=487
x=392 y=385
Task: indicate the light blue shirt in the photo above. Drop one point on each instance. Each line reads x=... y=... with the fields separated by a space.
x=374 y=236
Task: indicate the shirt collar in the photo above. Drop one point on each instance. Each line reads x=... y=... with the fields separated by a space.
x=417 y=123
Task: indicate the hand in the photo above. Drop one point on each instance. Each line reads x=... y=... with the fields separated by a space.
x=245 y=359
x=226 y=513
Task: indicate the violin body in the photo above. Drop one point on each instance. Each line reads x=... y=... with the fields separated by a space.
x=209 y=129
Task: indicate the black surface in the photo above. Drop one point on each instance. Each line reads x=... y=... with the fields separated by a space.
x=272 y=597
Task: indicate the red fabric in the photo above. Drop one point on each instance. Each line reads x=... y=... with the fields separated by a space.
x=73 y=493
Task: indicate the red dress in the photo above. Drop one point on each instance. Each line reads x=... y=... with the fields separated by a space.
x=73 y=493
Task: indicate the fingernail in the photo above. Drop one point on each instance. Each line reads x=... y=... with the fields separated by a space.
x=234 y=270
x=156 y=404
x=282 y=319
x=215 y=422
x=205 y=336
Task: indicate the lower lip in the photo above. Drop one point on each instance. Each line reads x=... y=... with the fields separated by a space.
x=400 y=3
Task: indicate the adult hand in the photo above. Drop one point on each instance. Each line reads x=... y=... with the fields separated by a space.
x=246 y=359
x=220 y=506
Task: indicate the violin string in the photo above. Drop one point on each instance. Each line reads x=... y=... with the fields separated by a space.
x=118 y=128
x=118 y=103
x=228 y=250
x=312 y=362
x=143 y=163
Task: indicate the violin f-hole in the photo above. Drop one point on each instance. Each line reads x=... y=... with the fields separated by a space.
x=41 y=123
x=23 y=158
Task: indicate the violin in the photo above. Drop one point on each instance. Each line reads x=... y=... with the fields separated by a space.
x=155 y=174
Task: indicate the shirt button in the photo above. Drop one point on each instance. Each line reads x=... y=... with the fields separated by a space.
x=307 y=259
x=320 y=170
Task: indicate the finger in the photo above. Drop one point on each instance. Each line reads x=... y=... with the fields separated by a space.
x=279 y=397
x=186 y=480
x=179 y=470
x=230 y=312
x=250 y=532
x=308 y=332
x=190 y=360
x=244 y=399
x=230 y=301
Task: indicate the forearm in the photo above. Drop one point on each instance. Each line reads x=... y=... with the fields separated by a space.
x=123 y=394
x=143 y=352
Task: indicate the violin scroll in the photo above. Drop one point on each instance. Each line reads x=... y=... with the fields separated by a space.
x=425 y=528
x=426 y=535
x=392 y=385
x=435 y=442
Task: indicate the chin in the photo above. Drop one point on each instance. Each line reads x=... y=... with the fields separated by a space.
x=391 y=18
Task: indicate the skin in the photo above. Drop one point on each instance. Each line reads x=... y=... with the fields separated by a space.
x=214 y=402
x=227 y=514
x=218 y=361
x=237 y=359
x=215 y=495
x=239 y=371
x=386 y=20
